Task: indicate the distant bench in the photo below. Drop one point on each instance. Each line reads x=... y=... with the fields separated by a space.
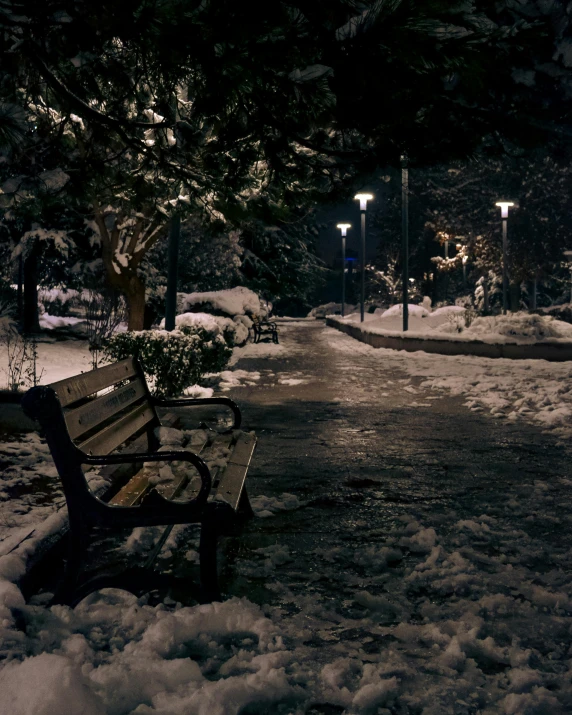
x=264 y=327
x=86 y=419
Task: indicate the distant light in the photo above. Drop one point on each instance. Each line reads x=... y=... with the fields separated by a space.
x=504 y=207
x=351 y=259
x=363 y=199
x=344 y=227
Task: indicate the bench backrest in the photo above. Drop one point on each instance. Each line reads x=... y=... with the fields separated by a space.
x=100 y=423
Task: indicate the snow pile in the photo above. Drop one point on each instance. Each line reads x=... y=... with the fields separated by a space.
x=237 y=378
x=234 y=301
x=418 y=311
x=521 y=326
x=236 y=328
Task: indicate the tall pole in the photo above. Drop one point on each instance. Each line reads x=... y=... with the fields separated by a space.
x=343 y=275
x=362 y=302
x=405 y=240
x=504 y=266
x=172 y=270
x=20 y=294
x=504 y=207
x=363 y=199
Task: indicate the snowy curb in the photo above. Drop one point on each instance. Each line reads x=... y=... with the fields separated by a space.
x=553 y=351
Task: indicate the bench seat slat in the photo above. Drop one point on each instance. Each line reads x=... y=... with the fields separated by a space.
x=77 y=388
x=134 y=491
x=94 y=413
x=118 y=432
x=243 y=449
x=231 y=484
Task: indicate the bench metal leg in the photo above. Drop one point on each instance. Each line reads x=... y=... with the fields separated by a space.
x=208 y=558
x=244 y=508
x=78 y=539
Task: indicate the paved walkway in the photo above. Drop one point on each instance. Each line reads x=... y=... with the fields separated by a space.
x=350 y=441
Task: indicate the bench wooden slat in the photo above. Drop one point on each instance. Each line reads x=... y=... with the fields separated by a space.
x=94 y=413
x=76 y=388
x=119 y=431
x=119 y=473
x=134 y=491
x=231 y=484
x=243 y=449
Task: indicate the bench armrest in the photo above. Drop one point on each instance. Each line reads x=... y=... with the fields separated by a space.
x=192 y=402
x=167 y=456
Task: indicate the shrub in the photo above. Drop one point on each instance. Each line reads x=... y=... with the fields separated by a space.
x=171 y=360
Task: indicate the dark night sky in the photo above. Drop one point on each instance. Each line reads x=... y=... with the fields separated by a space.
x=330 y=241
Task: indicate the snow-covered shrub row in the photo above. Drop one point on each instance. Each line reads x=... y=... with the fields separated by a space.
x=321 y=311
x=234 y=330
x=172 y=360
x=234 y=301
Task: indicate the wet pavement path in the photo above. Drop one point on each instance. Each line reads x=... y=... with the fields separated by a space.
x=365 y=450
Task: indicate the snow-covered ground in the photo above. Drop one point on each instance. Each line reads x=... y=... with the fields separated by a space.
x=534 y=390
x=471 y=625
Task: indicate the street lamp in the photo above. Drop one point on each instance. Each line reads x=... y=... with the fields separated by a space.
x=343 y=228
x=568 y=256
x=363 y=199
x=504 y=207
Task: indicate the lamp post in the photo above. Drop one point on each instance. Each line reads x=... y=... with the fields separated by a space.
x=363 y=199
x=504 y=207
x=343 y=228
x=568 y=256
x=405 y=239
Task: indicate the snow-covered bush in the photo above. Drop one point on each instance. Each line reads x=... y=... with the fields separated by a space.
x=172 y=360
x=56 y=301
x=234 y=301
x=522 y=326
x=234 y=331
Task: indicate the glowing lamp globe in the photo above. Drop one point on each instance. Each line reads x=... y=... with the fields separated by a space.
x=504 y=207
x=363 y=199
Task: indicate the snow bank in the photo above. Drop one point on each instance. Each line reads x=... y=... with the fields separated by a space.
x=448 y=323
x=235 y=301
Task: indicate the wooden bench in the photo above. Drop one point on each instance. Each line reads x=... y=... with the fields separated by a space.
x=264 y=327
x=108 y=418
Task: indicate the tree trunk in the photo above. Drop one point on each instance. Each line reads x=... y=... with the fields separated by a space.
x=129 y=284
x=31 y=322
x=135 y=295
